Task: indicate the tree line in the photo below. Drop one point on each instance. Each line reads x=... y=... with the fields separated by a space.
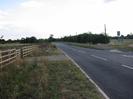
x=87 y=38
x=23 y=40
x=128 y=36
x=80 y=38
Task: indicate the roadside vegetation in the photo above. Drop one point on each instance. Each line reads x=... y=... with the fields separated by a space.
x=87 y=38
x=92 y=46
x=99 y=41
x=124 y=45
x=37 y=77
x=46 y=49
x=11 y=45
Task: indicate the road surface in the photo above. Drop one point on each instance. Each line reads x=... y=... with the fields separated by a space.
x=112 y=71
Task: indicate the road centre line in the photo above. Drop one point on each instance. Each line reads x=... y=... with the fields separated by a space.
x=104 y=59
x=129 y=67
x=129 y=56
x=81 y=51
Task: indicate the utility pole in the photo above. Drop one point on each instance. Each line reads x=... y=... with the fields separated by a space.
x=105 y=31
x=76 y=37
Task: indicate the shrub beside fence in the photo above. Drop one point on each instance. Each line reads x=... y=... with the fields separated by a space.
x=9 y=56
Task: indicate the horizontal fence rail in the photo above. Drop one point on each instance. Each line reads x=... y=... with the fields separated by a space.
x=9 y=56
x=27 y=50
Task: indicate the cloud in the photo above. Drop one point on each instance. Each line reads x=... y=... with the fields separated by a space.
x=41 y=18
x=107 y=1
x=32 y=4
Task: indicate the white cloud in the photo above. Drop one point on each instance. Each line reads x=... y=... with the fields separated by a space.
x=64 y=17
x=106 y=1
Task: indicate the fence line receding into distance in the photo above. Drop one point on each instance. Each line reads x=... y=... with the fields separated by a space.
x=9 y=56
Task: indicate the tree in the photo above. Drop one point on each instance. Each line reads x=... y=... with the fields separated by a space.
x=51 y=38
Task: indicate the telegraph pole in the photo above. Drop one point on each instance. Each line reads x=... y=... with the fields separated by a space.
x=105 y=31
x=76 y=37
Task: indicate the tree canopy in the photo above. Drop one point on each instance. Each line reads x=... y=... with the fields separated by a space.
x=87 y=38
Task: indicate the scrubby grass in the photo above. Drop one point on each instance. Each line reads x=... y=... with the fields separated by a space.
x=38 y=78
x=46 y=49
x=22 y=82
x=87 y=45
x=66 y=81
x=125 y=42
x=44 y=79
x=12 y=45
x=124 y=45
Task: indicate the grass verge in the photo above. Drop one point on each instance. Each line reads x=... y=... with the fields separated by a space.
x=43 y=79
x=67 y=82
x=86 y=46
x=11 y=46
x=122 y=46
x=46 y=49
x=23 y=81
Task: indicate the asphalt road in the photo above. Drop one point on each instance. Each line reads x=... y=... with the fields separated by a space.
x=111 y=71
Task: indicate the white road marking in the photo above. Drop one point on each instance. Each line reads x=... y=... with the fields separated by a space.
x=129 y=67
x=99 y=57
x=129 y=56
x=116 y=51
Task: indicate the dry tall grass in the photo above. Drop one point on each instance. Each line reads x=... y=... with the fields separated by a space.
x=38 y=78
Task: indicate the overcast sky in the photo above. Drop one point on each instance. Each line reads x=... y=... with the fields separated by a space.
x=40 y=18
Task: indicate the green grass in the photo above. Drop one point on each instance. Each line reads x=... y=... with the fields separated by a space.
x=46 y=80
x=46 y=49
x=123 y=45
x=86 y=45
x=125 y=42
x=67 y=82
x=114 y=44
x=20 y=82
x=12 y=45
x=42 y=79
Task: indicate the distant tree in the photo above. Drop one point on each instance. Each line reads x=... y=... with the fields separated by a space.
x=29 y=40
x=2 y=41
x=51 y=38
x=129 y=36
x=9 y=41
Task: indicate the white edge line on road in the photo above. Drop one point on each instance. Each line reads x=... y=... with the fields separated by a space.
x=99 y=57
x=127 y=66
x=99 y=89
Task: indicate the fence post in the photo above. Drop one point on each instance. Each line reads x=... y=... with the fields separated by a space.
x=0 y=61
x=21 y=52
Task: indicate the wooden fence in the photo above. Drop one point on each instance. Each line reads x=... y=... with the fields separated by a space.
x=9 y=56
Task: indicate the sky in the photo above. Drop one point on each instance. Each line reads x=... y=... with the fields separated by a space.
x=40 y=18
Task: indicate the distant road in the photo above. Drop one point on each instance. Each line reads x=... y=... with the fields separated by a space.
x=112 y=71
